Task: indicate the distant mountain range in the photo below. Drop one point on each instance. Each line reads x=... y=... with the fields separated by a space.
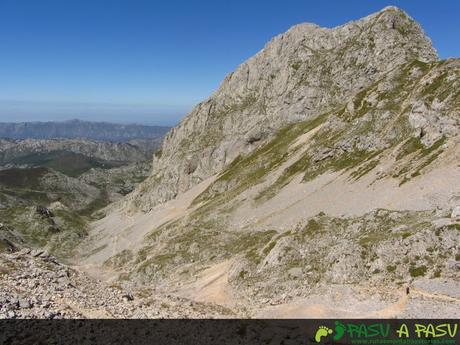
x=321 y=178
x=81 y=129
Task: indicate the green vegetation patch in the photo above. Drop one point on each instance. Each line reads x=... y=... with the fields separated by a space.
x=296 y=65
x=158 y=153
x=252 y=243
x=312 y=228
x=59 y=234
x=269 y=248
x=410 y=146
x=437 y=88
x=455 y=226
x=66 y=162
x=209 y=240
x=414 y=144
x=120 y=259
x=391 y=268
x=22 y=178
x=425 y=156
x=417 y=271
x=344 y=161
x=364 y=169
x=96 y=205
x=310 y=169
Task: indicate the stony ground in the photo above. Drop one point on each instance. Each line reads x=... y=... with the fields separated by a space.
x=34 y=284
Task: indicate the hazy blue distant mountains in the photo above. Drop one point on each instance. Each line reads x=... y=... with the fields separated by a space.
x=81 y=129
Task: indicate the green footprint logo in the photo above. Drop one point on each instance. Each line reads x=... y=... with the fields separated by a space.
x=322 y=331
x=339 y=330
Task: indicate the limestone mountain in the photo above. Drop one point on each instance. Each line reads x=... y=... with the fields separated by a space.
x=299 y=74
x=326 y=164
x=319 y=180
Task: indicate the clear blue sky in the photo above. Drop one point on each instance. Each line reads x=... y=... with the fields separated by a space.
x=151 y=61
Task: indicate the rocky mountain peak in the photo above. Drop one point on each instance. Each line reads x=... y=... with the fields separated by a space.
x=326 y=165
x=297 y=75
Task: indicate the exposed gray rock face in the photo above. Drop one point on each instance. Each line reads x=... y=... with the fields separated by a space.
x=327 y=162
x=431 y=122
x=455 y=212
x=297 y=75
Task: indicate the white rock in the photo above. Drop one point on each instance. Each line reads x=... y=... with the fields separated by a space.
x=455 y=212
x=295 y=272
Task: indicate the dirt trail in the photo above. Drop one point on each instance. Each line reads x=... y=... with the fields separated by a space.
x=299 y=309
x=330 y=307
x=392 y=310
x=435 y=296
x=398 y=308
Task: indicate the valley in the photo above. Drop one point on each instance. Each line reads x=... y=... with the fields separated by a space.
x=51 y=189
x=321 y=180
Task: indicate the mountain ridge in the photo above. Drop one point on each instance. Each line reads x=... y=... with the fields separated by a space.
x=78 y=129
x=15 y=150
x=292 y=78
x=335 y=176
x=319 y=180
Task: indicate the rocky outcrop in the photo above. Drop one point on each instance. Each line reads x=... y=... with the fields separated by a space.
x=299 y=74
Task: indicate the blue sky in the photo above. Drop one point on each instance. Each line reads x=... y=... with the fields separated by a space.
x=151 y=61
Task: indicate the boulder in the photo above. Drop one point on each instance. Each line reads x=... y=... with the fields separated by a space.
x=455 y=212
x=295 y=272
